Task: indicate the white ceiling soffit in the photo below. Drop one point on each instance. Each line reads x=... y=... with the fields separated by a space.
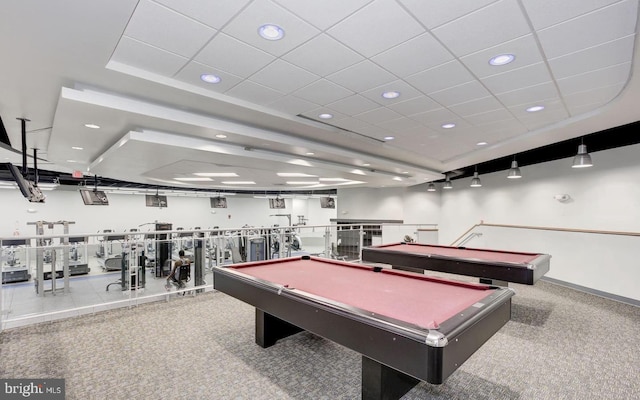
x=337 y=57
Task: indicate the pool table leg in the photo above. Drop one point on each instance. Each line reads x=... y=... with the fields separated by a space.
x=269 y=329
x=380 y=382
x=494 y=282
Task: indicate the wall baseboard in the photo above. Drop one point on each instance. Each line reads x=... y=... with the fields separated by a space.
x=595 y=292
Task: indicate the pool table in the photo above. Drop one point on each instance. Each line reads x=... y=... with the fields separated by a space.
x=491 y=266
x=408 y=327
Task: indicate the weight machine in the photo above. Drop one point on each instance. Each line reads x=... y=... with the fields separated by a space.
x=132 y=265
x=12 y=269
x=40 y=250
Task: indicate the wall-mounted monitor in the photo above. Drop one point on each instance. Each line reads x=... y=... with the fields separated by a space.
x=218 y=202
x=276 y=203
x=94 y=197
x=327 y=202
x=154 y=200
x=28 y=189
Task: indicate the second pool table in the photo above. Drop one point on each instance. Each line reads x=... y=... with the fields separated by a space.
x=492 y=266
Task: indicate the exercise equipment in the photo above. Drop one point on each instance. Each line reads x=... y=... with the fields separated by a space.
x=132 y=263
x=41 y=246
x=12 y=269
x=162 y=249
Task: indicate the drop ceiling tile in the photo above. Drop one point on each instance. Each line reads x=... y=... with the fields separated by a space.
x=292 y=105
x=378 y=115
x=550 y=106
x=283 y=77
x=462 y=126
x=538 y=10
x=582 y=109
x=494 y=131
x=192 y=71
x=414 y=106
x=441 y=77
x=615 y=74
x=213 y=13
x=529 y=95
x=524 y=48
x=374 y=132
x=433 y=13
x=246 y=60
x=245 y=26
x=550 y=118
x=353 y=105
x=314 y=115
x=351 y=124
x=600 y=95
x=515 y=79
x=400 y=125
x=323 y=14
x=323 y=55
x=489 y=116
x=598 y=57
x=140 y=55
x=439 y=116
x=254 y=93
x=322 y=92
x=472 y=33
x=460 y=94
x=477 y=106
x=361 y=76
x=149 y=24
x=589 y=30
x=420 y=53
x=406 y=92
x=364 y=31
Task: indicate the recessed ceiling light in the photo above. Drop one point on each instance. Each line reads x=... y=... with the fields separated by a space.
x=502 y=59
x=77 y=148
x=210 y=78
x=391 y=94
x=366 y=165
x=535 y=108
x=405 y=172
x=221 y=136
x=92 y=126
x=71 y=161
x=482 y=144
x=397 y=178
x=449 y=125
x=310 y=153
x=325 y=116
x=389 y=138
x=271 y=32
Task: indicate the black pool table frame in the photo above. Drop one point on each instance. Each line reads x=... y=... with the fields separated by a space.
x=395 y=355
x=489 y=272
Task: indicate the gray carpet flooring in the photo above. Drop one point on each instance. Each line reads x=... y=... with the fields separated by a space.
x=559 y=344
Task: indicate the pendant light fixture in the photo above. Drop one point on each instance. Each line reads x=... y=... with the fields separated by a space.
x=431 y=187
x=447 y=183
x=582 y=159
x=514 y=171
x=475 y=182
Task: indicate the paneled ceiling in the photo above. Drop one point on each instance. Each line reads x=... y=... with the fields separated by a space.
x=408 y=86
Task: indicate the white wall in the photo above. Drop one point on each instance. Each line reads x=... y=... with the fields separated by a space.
x=370 y=203
x=604 y=197
x=129 y=211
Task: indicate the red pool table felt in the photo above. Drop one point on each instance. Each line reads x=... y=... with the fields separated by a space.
x=417 y=299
